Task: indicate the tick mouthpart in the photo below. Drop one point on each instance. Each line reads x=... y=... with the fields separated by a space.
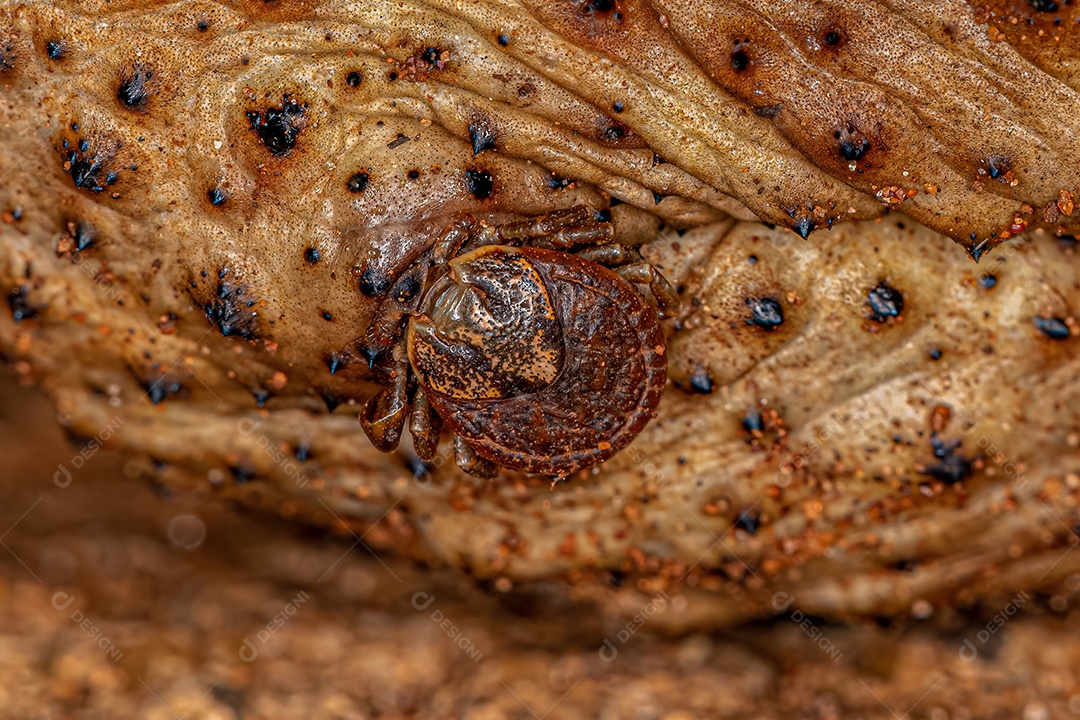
x=442 y=296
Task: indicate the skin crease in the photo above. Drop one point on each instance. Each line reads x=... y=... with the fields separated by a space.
x=278 y=164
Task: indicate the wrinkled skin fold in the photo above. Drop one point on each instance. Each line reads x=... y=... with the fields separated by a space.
x=203 y=203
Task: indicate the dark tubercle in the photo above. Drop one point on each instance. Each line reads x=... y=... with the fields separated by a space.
x=1052 y=327
x=431 y=55
x=852 y=144
x=480 y=183
x=952 y=466
x=702 y=383
x=373 y=283
x=358 y=182
x=747 y=522
x=885 y=302
x=83 y=235
x=231 y=308
x=482 y=135
x=278 y=127
x=160 y=389
x=7 y=56
x=21 y=309
x=765 y=313
x=134 y=90
x=1046 y=6
x=334 y=362
x=803 y=226
x=87 y=165
x=740 y=60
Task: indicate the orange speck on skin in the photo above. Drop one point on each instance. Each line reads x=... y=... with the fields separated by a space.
x=771 y=567
x=939 y=418
x=1065 y=202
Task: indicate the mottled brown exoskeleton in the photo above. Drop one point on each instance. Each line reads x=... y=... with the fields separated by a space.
x=538 y=359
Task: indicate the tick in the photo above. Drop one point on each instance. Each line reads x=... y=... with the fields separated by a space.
x=529 y=341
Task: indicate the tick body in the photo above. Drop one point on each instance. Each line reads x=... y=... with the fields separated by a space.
x=537 y=359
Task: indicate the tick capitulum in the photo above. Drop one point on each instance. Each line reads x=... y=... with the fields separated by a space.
x=528 y=339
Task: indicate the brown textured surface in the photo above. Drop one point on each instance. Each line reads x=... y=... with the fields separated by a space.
x=276 y=161
x=810 y=469
x=835 y=460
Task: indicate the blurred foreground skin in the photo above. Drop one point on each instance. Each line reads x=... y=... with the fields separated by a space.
x=115 y=602
x=200 y=220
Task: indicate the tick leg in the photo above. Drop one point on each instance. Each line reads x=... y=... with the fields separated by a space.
x=610 y=255
x=559 y=230
x=666 y=297
x=544 y=225
x=600 y=233
x=384 y=329
x=562 y=230
x=389 y=321
x=470 y=462
x=452 y=238
x=425 y=425
x=383 y=416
